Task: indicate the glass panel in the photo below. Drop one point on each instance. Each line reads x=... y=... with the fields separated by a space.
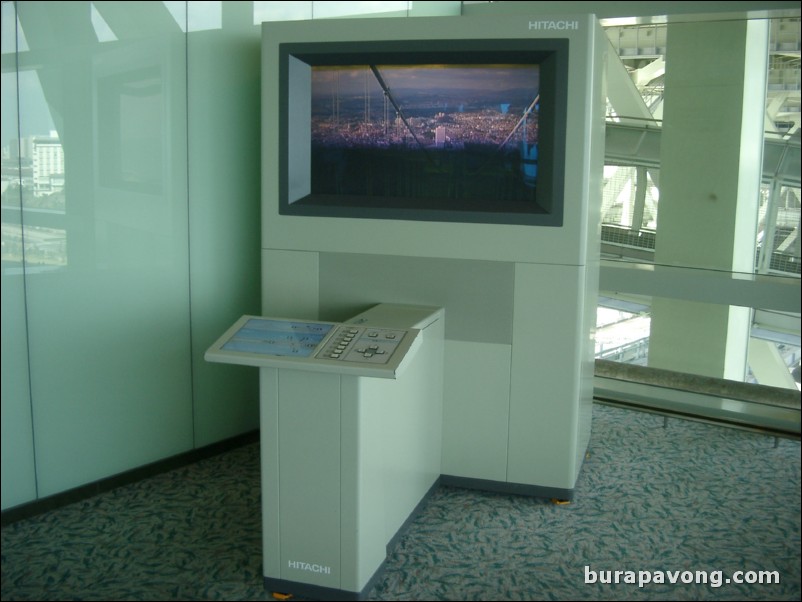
x=103 y=126
x=102 y=29
x=629 y=211
x=296 y=11
x=642 y=49
x=325 y=10
x=708 y=340
x=778 y=245
x=281 y=11
x=622 y=330
x=224 y=187
x=18 y=478
x=691 y=235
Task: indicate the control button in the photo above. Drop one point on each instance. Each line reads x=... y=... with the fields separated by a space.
x=373 y=335
x=389 y=336
x=335 y=355
x=368 y=354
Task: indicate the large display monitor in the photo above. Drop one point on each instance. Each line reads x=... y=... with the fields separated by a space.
x=461 y=130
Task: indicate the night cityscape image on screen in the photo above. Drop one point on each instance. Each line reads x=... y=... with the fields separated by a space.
x=455 y=132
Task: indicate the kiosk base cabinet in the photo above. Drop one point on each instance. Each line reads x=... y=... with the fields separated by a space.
x=346 y=460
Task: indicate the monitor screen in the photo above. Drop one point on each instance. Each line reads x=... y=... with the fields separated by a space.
x=452 y=130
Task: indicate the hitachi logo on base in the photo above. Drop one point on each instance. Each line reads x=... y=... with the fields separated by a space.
x=559 y=25
x=306 y=566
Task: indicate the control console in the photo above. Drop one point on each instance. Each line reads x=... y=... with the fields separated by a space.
x=317 y=346
x=358 y=344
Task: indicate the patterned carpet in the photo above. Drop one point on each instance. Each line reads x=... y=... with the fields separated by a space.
x=682 y=502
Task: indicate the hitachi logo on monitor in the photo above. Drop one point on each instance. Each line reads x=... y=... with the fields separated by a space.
x=558 y=25
x=306 y=566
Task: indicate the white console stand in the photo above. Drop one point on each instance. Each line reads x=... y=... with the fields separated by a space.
x=351 y=423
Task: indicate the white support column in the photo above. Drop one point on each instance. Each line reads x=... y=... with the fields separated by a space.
x=710 y=180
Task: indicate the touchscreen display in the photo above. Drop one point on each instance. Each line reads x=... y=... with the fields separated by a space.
x=278 y=337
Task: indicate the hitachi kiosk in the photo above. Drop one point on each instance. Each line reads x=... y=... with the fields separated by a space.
x=446 y=162
x=351 y=420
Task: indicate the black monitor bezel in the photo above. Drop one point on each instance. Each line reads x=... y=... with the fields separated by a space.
x=551 y=54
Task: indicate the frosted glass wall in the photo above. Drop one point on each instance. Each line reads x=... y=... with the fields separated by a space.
x=131 y=199
x=130 y=234
x=19 y=484
x=223 y=49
